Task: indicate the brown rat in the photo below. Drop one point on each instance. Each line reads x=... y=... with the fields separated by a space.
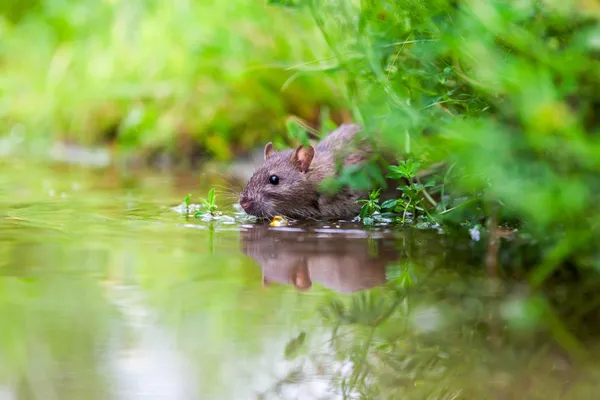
x=288 y=181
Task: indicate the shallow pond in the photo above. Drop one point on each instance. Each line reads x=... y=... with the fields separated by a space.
x=107 y=293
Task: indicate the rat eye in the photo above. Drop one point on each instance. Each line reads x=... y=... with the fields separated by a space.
x=274 y=180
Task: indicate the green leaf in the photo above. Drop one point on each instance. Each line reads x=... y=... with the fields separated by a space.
x=186 y=201
x=374 y=195
x=396 y=173
x=405 y=169
x=292 y=349
x=364 y=211
x=389 y=204
x=211 y=196
x=199 y=214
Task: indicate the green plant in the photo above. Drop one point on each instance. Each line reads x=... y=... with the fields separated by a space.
x=370 y=207
x=186 y=203
x=208 y=205
x=407 y=169
x=411 y=200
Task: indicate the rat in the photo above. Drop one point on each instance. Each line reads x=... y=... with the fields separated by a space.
x=288 y=183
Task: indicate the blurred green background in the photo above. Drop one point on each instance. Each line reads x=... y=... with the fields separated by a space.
x=505 y=92
x=154 y=75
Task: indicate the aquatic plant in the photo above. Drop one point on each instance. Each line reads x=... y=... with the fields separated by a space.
x=208 y=205
x=206 y=208
x=186 y=203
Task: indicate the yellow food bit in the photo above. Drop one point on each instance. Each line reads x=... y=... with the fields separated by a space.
x=278 y=221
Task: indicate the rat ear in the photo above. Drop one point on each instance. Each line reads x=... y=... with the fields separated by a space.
x=300 y=276
x=303 y=156
x=269 y=150
x=301 y=280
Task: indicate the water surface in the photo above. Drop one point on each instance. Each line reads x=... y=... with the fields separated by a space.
x=106 y=292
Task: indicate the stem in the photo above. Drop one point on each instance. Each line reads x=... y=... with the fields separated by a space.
x=444 y=186
x=491 y=259
x=405 y=209
x=429 y=198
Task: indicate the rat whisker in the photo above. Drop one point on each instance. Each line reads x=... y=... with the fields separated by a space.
x=224 y=188
x=237 y=180
x=223 y=194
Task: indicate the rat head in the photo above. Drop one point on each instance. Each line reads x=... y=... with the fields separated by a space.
x=282 y=185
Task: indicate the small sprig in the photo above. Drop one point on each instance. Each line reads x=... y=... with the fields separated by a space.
x=208 y=206
x=186 y=203
x=370 y=207
x=207 y=209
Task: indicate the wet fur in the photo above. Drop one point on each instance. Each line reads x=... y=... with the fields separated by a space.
x=297 y=195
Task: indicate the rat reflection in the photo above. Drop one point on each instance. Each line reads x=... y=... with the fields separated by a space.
x=300 y=257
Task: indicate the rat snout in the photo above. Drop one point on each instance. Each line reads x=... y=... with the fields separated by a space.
x=245 y=202
x=254 y=204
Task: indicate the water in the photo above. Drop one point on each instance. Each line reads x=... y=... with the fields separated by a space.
x=107 y=293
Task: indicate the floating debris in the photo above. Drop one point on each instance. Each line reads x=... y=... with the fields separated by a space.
x=185 y=209
x=279 y=221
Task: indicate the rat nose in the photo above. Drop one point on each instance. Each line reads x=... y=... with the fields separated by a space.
x=245 y=203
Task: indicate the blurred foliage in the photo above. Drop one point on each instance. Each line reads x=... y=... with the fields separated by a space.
x=178 y=76
x=506 y=93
